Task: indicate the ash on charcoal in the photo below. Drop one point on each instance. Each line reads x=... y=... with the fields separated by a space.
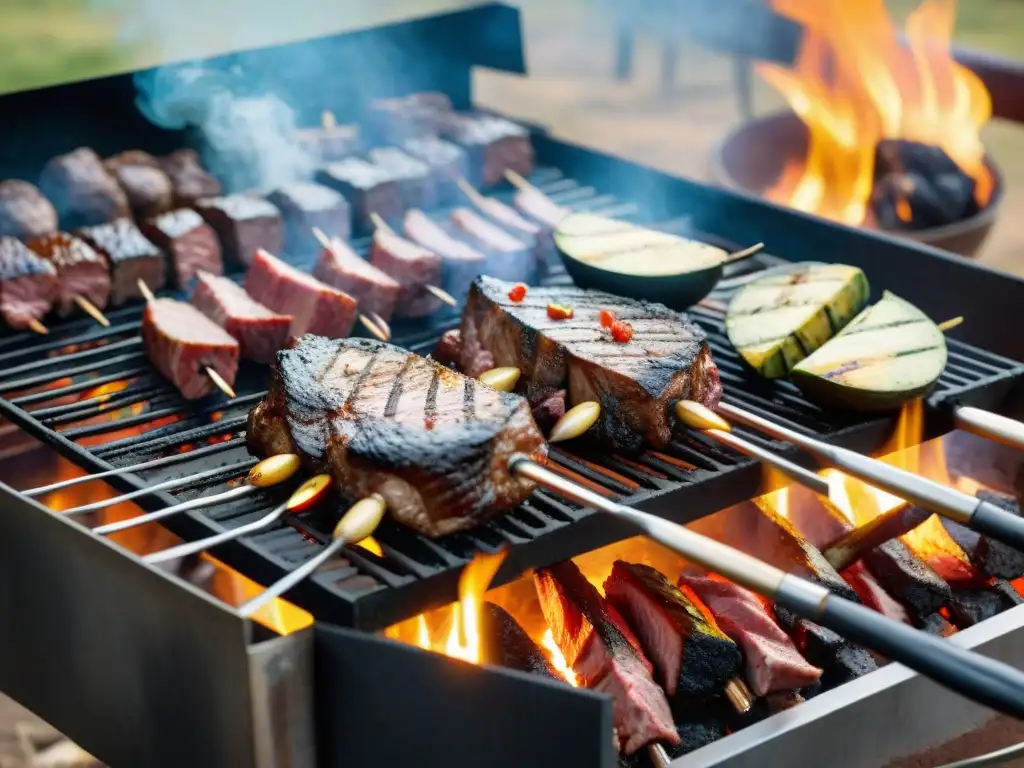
x=918 y=186
x=936 y=624
x=971 y=606
x=908 y=578
x=993 y=557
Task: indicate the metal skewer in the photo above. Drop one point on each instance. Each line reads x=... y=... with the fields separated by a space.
x=268 y=473
x=976 y=514
x=216 y=378
x=374 y=324
x=438 y=293
x=307 y=494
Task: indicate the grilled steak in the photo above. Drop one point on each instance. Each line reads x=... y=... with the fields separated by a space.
x=260 y=333
x=182 y=342
x=690 y=653
x=460 y=263
x=147 y=187
x=435 y=444
x=24 y=212
x=505 y=644
x=605 y=656
x=772 y=661
x=190 y=242
x=413 y=267
x=244 y=224
x=413 y=177
x=533 y=203
x=82 y=190
x=508 y=257
x=81 y=271
x=447 y=162
x=344 y=269
x=667 y=358
x=368 y=189
x=305 y=205
x=313 y=306
x=28 y=284
x=131 y=256
x=494 y=145
x=189 y=179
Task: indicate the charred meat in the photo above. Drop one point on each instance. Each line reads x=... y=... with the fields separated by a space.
x=81 y=271
x=147 y=187
x=367 y=187
x=28 y=284
x=24 y=212
x=413 y=266
x=505 y=644
x=435 y=444
x=508 y=257
x=131 y=256
x=190 y=243
x=460 y=262
x=313 y=306
x=992 y=556
x=605 y=656
x=772 y=661
x=260 y=333
x=691 y=654
x=305 y=205
x=636 y=382
x=494 y=145
x=182 y=343
x=344 y=269
x=189 y=180
x=244 y=224
x=82 y=190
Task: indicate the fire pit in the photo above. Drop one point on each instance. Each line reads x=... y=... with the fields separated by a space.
x=883 y=132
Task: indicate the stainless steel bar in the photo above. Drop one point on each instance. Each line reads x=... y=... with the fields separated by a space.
x=193 y=547
x=790 y=469
x=991 y=426
x=206 y=501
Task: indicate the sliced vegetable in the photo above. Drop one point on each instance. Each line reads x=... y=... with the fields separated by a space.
x=889 y=354
x=776 y=321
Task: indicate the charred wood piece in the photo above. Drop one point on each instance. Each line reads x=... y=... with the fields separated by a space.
x=991 y=556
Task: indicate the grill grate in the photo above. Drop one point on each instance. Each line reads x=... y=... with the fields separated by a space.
x=63 y=389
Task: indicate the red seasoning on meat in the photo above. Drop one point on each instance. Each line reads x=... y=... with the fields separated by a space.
x=604 y=655
x=259 y=332
x=344 y=269
x=314 y=306
x=460 y=262
x=190 y=242
x=81 y=270
x=772 y=661
x=182 y=342
x=413 y=266
x=28 y=284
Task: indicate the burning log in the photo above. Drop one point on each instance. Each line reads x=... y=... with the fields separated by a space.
x=864 y=538
x=991 y=556
x=971 y=606
x=505 y=644
x=908 y=578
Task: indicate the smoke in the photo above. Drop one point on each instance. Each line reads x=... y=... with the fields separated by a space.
x=247 y=136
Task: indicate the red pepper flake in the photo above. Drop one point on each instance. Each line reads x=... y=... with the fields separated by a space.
x=607 y=318
x=518 y=292
x=622 y=332
x=559 y=312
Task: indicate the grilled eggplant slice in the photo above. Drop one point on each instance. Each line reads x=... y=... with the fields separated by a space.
x=775 y=322
x=889 y=354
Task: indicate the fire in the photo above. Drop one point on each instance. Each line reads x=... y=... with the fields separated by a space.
x=548 y=643
x=855 y=84
x=370 y=544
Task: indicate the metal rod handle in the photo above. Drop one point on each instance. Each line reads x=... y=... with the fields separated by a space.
x=206 y=501
x=285 y=583
x=192 y=547
x=790 y=469
x=991 y=426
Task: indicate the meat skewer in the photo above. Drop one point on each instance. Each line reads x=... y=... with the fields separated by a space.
x=260 y=332
x=398 y=250
x=83 y=277
x=540 y=238
x=367 y=284
x=28 y=286
x=190 y=324
x=531 y=201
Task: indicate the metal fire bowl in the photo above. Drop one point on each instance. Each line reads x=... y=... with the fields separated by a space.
x=751 y=158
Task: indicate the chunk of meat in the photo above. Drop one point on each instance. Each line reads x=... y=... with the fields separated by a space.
x=435 y=444
x=508 y=257
x=447 y=162
x=772 y=661
x=447 y=350
x=28 y=284
x=190 y=242
x=344 y=269
x=189 y=180
x=24 y=212
x=494 y=145
x=81 y=270
x=305 y=205
x=397 y=119
x=182 y=343
x=413 y=177
x=460 y=262
x=367 y=187
x=314 y=306
x=82 y=190
x=131 y=256
x=533 y=203
x=329 y=142
x=148 y=189
x=413 y=267
x=260 y=333
x=604 y=655
x=244 y=224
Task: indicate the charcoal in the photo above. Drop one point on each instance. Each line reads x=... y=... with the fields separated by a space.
x=925 y=182
x=971 y=606
x=244 y=224
x=873 y=594
x=305 y=205
x=936 y=624
x=505 y=644
x=908 y=578
x=839 y=660
x=367 y=187
x=990 y=555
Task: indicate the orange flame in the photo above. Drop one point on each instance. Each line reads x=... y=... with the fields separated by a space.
x=855 y=83
x=557 y=658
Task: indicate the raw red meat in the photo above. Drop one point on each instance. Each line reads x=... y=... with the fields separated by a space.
x=259 y=331
x=344 y=269
x=28 y=284
x=461 y=263
x=413 y=266
x=81 y=271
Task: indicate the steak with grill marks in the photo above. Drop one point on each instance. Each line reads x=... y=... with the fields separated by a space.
x=434 y=443
x=667 y=358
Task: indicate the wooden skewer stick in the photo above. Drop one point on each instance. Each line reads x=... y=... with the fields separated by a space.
x=327 y=120
x=38 y=327
x=381 y=331
x=950 y=324
x=439 y=293
x=518 y=181
x=738 y=255
x=92 y=311
x=216 y=378
x=471 y=192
